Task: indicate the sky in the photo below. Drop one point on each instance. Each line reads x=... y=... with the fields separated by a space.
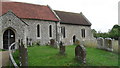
x=103 y=14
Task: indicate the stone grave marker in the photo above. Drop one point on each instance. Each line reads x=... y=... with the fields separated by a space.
x=62 y=48
x=100 y=43
x=80 y=53
x=23 y=54
x=108 y=44
x=52 y=42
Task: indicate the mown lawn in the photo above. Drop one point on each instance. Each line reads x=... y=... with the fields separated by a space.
x=48 y=56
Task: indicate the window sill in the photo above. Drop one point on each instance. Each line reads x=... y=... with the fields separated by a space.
x=38 y=37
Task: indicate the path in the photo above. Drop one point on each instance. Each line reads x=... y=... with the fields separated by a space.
x=4 y=58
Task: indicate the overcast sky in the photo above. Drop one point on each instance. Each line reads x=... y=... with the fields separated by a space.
x=103 y=14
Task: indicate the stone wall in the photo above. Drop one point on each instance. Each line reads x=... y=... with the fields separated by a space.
x=72 y=30
x=106 y=44
x=44 y=30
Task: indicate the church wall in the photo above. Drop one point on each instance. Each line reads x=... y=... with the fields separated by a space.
x=71 y=30
x=44 y=30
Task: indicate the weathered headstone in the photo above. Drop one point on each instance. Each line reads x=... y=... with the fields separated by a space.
x=100 y=43
x=52 y=42
x=62 y=48
x=23 y=54
x=80 y=53
x=108 y=44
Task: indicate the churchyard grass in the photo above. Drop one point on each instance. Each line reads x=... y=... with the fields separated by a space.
x=2 y=50
x=48 y=56
x=16 y=56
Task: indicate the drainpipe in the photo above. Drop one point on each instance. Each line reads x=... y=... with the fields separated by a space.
x=57 y=26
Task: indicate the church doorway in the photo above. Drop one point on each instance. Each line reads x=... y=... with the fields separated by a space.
x=8 y=38
x=74 y=39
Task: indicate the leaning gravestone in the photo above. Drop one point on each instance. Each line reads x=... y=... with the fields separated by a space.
x=62 y=48
x=80 y=53
x=108 y=44
x=23 y=54
x=100 y=43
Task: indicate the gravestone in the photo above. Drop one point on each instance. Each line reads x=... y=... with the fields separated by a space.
x=108 y=44
x=52 y=42
x=77 y=42
x=100 y=43
x=62 y=48
x=23 y=54
x=80 y=53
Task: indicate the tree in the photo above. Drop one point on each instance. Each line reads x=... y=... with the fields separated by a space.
x=94 y=32
x=115 y=32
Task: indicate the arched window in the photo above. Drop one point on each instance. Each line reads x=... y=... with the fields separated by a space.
x=83 y=33
x=50 y=31
x=63 y=31
x=38 y=30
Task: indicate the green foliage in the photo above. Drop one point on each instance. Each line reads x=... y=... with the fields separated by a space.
x=113 y=33
x=3 y=50
x=48 y=56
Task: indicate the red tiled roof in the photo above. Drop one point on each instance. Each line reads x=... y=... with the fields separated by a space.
x=72 y=18
x=30 y=11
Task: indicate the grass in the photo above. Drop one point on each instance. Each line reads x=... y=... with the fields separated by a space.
x=0 y=49
x=16 y=57
x=48 y=56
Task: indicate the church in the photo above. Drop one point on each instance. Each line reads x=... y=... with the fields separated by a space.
x=39 y=24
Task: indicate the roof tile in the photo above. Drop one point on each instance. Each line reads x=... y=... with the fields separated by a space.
x=72 y=18
x=31 y=11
